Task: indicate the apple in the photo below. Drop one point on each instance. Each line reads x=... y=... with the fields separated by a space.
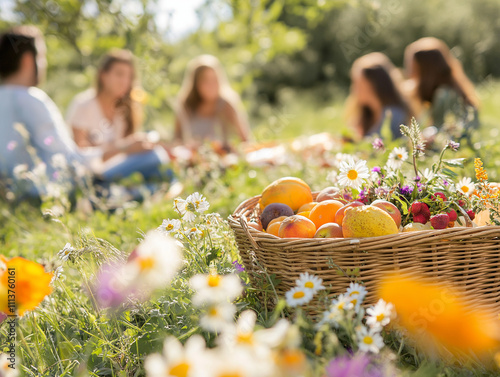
x=330 y=193
x=329 y=230
x=339 y=216
x=390 y=208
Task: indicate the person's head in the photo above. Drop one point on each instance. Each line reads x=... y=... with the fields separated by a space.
x=22 y=55
x=375 y=85
x=205 y=81
x=430 y=63
x=116 y=77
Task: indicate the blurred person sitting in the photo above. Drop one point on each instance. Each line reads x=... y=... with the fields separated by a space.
x=440 y=89
x=32 y=128
x=208 y=109
x=375 y=93
x=108 y=118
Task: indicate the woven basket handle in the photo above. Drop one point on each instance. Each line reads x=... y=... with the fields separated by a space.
x=244 y=225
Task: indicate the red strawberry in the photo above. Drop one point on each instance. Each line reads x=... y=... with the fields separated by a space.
x=440 y=221
x=439 y=194
x=461 y=203
x=419 y=218
x=425 y=211
x=453 y=215
x=416 y=207
x=471 y=214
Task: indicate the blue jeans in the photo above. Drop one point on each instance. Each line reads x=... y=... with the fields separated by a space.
x=148 y=164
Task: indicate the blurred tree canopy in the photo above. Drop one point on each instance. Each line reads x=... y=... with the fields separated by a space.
x=265 y=45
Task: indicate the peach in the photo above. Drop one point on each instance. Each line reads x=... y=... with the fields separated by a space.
x=274 y=228
x=255 y=226
x=390 y=208
x=293 y=192
x=278 y=219
x=297 y=226
x=307 y=207
x=324 y=212
x=329 y=230
x=339 y=216
x=328 y=193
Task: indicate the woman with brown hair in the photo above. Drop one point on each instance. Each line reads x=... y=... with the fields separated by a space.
x=436 y=80
x=208 y=109
x=375 y=94
x=108 y=118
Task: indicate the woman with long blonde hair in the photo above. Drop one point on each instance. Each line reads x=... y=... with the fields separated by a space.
x=375 y=94
x=208 y=109
x=436 y=80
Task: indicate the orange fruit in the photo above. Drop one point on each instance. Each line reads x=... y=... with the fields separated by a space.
x=274 y=228
x=339 y=216
x=324 y=212
x=307 y=207
x=304 y=213
x=293 y=192
x=297 y=226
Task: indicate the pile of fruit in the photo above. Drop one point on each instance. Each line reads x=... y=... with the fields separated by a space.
x=287 y=210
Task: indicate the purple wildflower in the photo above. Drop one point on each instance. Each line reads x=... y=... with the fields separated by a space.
x=238 y=267
x=406 y=190
x=378 y=144
x=358 y=365
x=111 y=288
x=453 y=145
x=377 y=170
x=3 y=317
x=445 y=182
x=11 y=145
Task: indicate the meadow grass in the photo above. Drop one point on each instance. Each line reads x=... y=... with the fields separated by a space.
x=69 y=336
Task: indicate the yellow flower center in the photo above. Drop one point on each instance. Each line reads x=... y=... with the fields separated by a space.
x=352 y=174
x=245 y=338
x=193 y=230
x=214 y=280
x=367 y=340
x=340 y=305
x=380 y=317
x=354 y=301
x=169 y=227
x=298 y=294
x=191 y=207
x=354 y=293
x=146 y=263
x=309 y=284
x=465 y=189
x=213 y=312
x=400 y=156
x=179 y=370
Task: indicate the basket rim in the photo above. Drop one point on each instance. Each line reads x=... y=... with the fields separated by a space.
x=435 y=234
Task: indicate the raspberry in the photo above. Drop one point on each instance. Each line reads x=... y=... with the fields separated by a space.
x=471 y=214
x=440 y=221
x=439 y=194
x=416 y=207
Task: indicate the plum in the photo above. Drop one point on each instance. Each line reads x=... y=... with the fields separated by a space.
x=273 y=211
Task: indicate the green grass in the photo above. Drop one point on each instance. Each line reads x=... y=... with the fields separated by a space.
x=67 y=335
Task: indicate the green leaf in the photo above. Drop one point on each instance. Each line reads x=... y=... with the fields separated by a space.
x=449 y=173
x=455 y=163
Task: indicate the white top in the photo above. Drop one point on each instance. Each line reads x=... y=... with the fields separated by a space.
x=85 y=113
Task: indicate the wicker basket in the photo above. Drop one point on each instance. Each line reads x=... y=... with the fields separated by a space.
x=466 y=258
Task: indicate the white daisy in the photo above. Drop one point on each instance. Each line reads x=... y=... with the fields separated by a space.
x=309 y=281
x=170 y=226
x=65 y=252
x=428 y=175
x=177 y=360
x=369 y=340
x=466 y=186
x=5 y=366
x=193 y=232
x=352 y=174
x=356 y=289
x=58 y=161
x=237 y=363
x=180 y=206
x=332 y=316
x=197 y=203
x=379 y=315
x=298 y=296
x=342 y=302
x=355 y=301
x=397 y=157
x=218 y=316
x=215 y=288
x=155 y=261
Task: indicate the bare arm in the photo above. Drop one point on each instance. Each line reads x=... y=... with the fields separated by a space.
x=238 y=122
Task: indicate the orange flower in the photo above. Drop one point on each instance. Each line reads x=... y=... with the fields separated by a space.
x=23 y=281
x=481 y=174
x=437 y=317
